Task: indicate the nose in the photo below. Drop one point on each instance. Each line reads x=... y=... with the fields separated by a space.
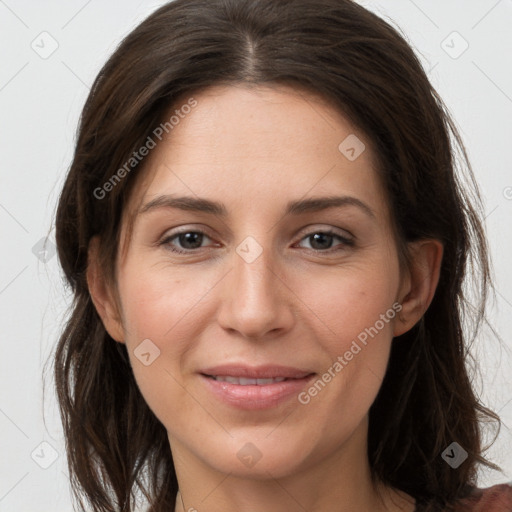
x=256 y=301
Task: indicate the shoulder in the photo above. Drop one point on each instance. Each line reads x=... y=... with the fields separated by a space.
x=497 y=498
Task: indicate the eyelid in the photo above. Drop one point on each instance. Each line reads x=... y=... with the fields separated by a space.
x=315 y=228
x=308 y=230
x=173 y=232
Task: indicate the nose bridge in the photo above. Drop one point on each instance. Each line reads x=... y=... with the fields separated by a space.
x=253 y=267
x=254 y=299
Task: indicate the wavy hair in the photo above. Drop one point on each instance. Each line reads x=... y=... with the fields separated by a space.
x=116 y=447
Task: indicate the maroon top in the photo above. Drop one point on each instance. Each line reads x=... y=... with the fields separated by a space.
x=497 y=498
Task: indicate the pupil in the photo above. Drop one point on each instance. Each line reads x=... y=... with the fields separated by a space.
x=319 y=237
x=187 y=238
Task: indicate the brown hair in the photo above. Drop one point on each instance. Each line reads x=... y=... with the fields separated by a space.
x=339 y=50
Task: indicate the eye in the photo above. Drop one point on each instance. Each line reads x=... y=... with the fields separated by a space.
x=189 y=241
x=321 y=241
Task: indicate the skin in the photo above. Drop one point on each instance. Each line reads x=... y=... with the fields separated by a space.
x=297 y=304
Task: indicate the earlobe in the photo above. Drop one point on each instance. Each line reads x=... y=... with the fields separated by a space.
x=420 y=285
x=101 y=295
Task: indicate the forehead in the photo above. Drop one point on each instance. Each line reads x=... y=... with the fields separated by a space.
x=267 y=124
x=260 y=146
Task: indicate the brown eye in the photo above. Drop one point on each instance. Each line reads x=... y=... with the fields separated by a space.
x=187 y=240
x=323 y=240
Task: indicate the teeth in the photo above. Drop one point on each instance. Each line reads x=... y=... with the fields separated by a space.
x=242 y=381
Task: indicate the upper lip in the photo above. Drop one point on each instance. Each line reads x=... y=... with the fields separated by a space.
x=256 y=372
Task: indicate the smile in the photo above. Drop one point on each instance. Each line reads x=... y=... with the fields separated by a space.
x=254 y=388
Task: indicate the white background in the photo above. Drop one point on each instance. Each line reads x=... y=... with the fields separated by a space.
x=40 y=103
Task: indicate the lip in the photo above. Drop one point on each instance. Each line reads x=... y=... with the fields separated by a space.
x=255 y=397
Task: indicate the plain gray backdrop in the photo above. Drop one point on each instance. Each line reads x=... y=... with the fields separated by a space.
x=52 y=51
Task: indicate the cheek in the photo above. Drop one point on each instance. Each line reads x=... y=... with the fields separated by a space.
x=358 y=308
x=349 y=303
x=161 y=307
x=157 y=303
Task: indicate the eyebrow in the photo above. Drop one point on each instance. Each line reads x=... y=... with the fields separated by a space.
x=196 y=204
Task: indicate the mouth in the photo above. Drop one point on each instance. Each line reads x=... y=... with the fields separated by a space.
x=263 y=372
x=243 y=381
x=252 y=388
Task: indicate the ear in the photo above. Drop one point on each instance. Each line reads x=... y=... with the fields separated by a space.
x=101 y=294
x=420 y=283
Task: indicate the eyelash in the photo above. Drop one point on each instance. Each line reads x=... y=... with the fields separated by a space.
x=345 y=241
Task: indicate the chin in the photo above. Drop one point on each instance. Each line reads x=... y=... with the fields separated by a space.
x=256 y=457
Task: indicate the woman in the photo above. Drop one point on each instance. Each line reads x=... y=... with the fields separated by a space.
x=219 y=357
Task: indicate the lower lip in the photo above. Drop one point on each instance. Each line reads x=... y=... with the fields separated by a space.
x=253 y=397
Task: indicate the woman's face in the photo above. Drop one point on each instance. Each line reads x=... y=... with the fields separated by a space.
x=270 y=283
